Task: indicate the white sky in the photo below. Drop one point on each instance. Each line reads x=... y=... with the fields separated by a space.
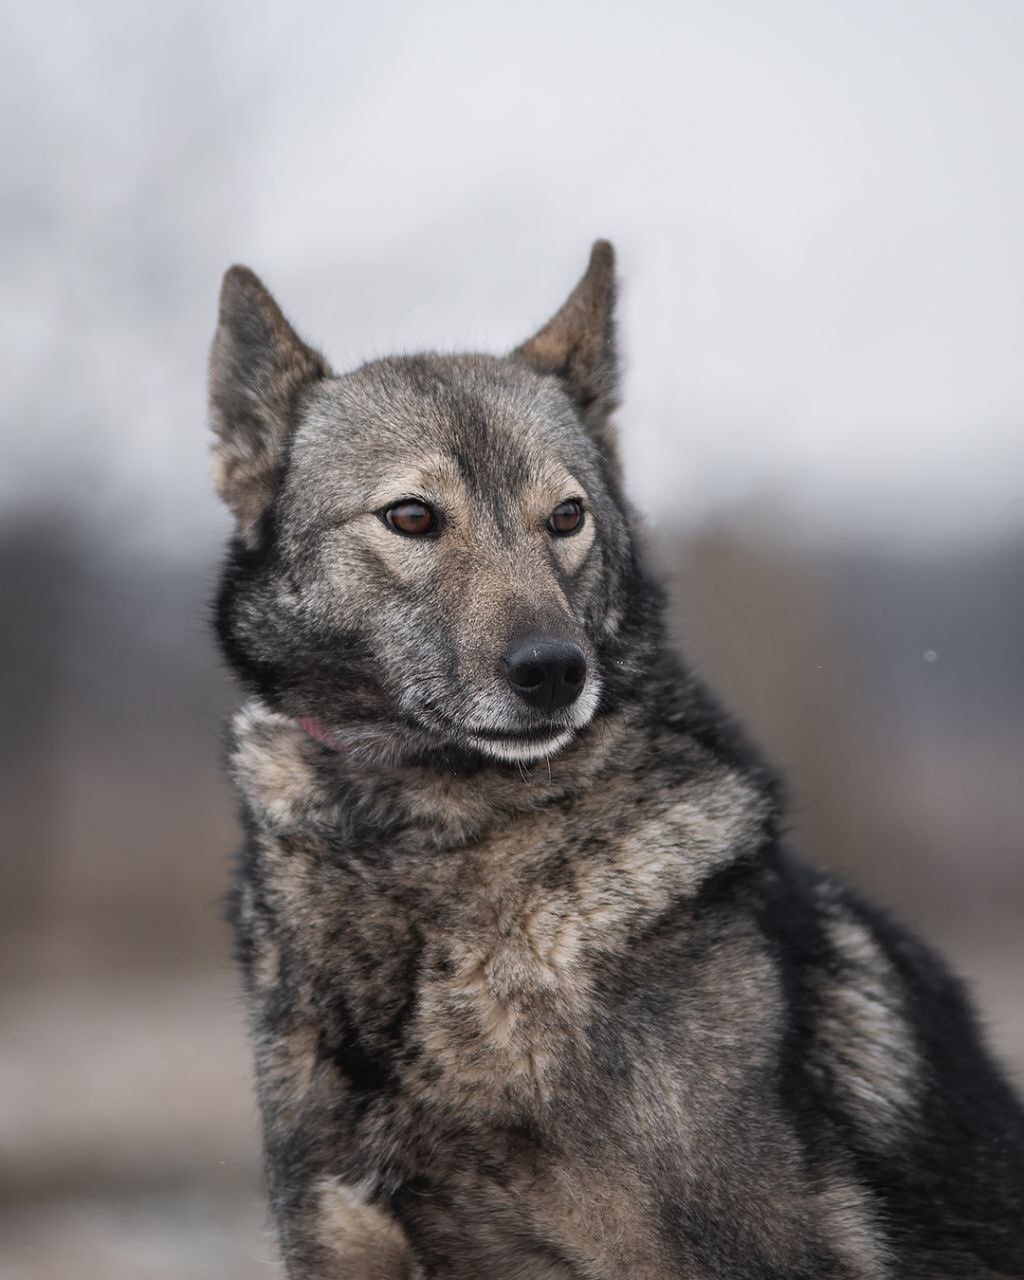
x=819 y=209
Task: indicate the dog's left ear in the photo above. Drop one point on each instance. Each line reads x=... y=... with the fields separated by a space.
x=578 y=345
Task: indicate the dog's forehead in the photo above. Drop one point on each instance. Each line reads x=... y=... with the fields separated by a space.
x=500 y=425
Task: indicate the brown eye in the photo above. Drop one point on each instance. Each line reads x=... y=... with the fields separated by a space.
x=566 y=518
x=412 y=518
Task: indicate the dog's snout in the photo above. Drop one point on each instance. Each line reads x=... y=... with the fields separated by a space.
x=546 y=672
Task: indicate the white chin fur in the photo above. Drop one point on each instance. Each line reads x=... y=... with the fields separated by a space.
x=512 y=751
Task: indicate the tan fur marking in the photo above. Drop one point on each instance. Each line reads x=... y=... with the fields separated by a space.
x=866 y=1034
x=271 y=763
x=854 y=1232
x=671 y=854
x=365 y=1242
x=267 y=965
x=289 y=1065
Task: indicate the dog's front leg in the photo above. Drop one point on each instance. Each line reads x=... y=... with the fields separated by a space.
x=322 y=1174
x=323 y=1179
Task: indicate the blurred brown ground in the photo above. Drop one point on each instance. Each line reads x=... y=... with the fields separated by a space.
x=891 y=692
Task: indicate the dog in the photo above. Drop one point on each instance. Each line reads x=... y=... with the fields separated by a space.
x=536 y=989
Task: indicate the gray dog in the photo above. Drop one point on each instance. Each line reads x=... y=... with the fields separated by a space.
x=536 y=991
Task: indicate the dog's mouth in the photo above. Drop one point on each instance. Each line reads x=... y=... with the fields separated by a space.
x=535 y=734
x=513 y=745
x=515 y=742
x=520 y=745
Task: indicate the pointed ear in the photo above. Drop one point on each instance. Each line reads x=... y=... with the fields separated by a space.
x=258 y=366
x=578 y=345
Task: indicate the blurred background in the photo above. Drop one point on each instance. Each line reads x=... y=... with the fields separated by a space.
x=818 y=211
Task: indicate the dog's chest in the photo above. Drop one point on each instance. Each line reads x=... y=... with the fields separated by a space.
x=510 y=939
x=514 y=936
x=505 y=991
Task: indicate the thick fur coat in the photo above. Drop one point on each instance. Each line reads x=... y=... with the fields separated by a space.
x=536 y=990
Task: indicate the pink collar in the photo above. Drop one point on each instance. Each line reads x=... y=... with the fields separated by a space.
x=320 y=734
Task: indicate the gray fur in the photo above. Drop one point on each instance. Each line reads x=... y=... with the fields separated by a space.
x=558 y=1005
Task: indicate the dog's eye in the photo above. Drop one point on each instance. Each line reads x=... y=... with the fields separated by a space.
x=411 y=518
x=566 y=518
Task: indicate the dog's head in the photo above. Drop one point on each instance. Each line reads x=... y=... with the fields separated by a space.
x=431 y=551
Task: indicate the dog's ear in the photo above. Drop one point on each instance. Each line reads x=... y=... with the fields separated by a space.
x=578 y=345
x=258 y=367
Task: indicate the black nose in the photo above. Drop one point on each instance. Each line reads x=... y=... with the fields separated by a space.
x=546 y=672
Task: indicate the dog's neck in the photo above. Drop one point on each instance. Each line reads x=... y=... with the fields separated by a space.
x=443 y=797
x=294 y=774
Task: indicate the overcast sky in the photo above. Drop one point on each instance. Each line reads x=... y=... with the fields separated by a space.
x=819 y=209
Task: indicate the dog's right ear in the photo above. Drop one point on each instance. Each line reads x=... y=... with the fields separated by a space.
x=258 y=367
